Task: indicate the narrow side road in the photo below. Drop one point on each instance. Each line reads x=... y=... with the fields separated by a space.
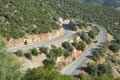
x=76 y=66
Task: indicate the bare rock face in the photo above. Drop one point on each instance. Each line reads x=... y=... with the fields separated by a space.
x=30 y=39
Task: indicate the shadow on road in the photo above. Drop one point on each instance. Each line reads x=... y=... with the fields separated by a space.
x=89 y=56
x=65 y=26
x=80 y=68
x=93 y=51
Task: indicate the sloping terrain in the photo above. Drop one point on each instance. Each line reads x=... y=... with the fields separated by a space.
x=21 y=17
x=106 y=17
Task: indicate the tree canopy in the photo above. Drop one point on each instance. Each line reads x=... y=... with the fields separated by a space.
x=18 y=18
x=45 y=74
x=10 y=67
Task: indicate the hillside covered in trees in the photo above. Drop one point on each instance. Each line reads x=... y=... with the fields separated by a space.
x=18 y=18
x=104 y=16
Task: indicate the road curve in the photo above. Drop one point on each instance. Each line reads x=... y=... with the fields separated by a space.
x=76 y=66
x=68 y=33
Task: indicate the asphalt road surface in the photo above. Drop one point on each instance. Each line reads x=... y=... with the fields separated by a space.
x=68 y=33
x=80 y=62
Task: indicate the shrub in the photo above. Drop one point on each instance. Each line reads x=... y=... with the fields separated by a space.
x=88 y=40
x=49 y=63
x=80 y=46
x=102 y=51
x=85 y=25
x=53 y=46
x=19 y=53
x=82 y=24
x=114 y=47
x=28 y=55
x=118 y=41
x=25 y=42
x=55 y=52
x=21 y=16
x=115 y=61
x=99 y=53
x=104 y=68
x=92 y=34
x=42 y=73
x=85 y=37
x=96 y=56
x=92 y=69
x=66 y=53
x=96 y=29
x=43 y=50
x=67 y=46
x=34 y=52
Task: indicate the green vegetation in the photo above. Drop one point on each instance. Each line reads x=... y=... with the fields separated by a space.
x=41 y=73
x=103 y=77
x=49 y=63
x=88 y=40
x=115 y=60
x=92 y=69
x=2 y=44
x=97 y=70
x=99 y=53
x=79 y=45
x=91 y=33
x=118 y=41
x=43 y=50
x=84 y=36
x=25 y=42
x=19 y=53
x=34 y=52
x=82 y=25
x=67 y=46
x=66 y=53
x=96 y=29
x=18 y=18
x=107 y=17
x=57 y=52
x=104 y=68
x=10 y=67
x=28 y=55
x=115 y=47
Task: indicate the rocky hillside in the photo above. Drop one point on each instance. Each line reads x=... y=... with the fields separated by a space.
x=21 y=17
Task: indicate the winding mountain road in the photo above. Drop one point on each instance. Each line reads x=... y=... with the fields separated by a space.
x=68 y=33
x=73 y=68
x=76 y=66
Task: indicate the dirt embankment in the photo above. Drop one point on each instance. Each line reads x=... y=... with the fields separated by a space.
x=30 y=39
